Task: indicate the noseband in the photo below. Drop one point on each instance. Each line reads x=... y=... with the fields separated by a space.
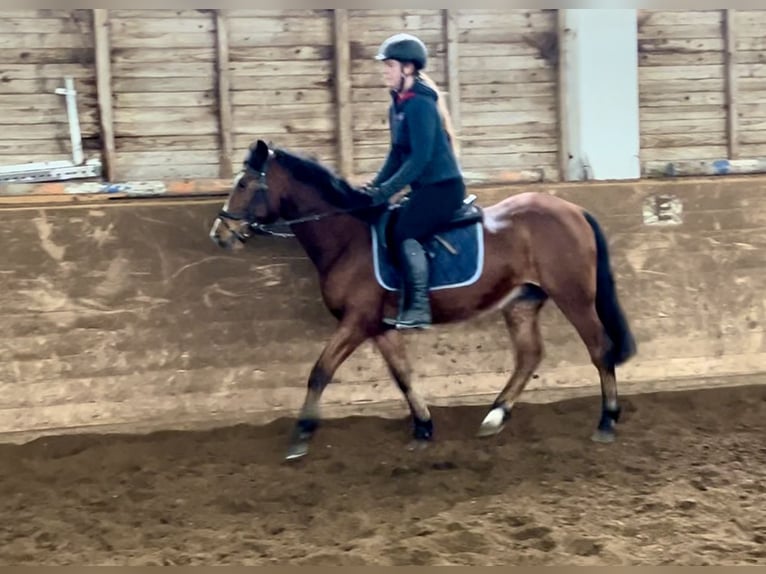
x=246 y=218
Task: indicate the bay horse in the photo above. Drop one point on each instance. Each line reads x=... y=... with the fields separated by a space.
x=536 y=247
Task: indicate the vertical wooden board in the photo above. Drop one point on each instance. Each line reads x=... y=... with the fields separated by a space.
x=562 y=87
x=105 y=96
x=453 y=71
x=39 y=50
x=344 y=126
x=682 y=77
x=732 y=87
x=224 y=93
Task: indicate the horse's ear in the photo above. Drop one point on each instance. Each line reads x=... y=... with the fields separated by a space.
x=259 y=153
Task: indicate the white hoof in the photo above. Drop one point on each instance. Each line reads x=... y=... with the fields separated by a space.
x=493 y=423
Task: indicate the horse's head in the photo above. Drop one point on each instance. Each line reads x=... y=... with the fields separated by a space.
x=278 y=184
x=255 y=198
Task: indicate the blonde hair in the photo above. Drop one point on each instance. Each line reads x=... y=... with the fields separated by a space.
x=443 y=111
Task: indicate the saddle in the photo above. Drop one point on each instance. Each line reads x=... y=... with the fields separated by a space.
x=466 y=214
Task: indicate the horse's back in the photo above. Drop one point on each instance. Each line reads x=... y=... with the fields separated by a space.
x=534 y=201
x=532 y=206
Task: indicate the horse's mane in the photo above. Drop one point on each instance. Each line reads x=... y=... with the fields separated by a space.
x=333 y=188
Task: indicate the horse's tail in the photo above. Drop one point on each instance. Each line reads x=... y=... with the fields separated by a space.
x=607 y=305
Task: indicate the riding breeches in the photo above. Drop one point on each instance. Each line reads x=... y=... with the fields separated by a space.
x=426 y=209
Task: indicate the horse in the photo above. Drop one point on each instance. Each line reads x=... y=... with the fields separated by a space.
x=535 y=247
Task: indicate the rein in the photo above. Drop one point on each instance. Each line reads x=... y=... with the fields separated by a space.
x=263 y=228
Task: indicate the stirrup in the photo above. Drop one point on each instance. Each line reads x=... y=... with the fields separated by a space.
x=424 y=322
x=405 y=326
x=397 y=322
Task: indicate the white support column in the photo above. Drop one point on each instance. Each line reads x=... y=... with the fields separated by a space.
x=600 y=51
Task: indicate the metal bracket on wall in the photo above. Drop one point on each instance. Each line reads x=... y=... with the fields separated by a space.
x=662 y=209
x=62 y=170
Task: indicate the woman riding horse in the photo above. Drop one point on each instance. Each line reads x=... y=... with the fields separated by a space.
x=422 y=156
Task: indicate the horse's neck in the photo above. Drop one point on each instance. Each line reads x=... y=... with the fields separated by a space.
x=327 y=239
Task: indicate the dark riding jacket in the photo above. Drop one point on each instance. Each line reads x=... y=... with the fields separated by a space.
x=420 y=151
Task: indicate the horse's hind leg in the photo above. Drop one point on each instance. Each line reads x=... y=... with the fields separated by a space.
x=390 y=343
x=583 y=315
x=521 y=316
x=347 y=337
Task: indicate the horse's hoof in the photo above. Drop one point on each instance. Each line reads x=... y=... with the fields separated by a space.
x=297 y=450
x=603 y=436
x=424 y=430
x=485 y=431
x=493 y=423
x=418 y=445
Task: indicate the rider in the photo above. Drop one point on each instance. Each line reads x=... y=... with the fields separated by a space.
x=423 y=155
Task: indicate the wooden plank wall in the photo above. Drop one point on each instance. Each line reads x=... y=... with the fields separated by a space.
x=38 y=48
x=749 y=26
x=165 y=109
x=282 y=80
x=172 y=108
x=369 y=97
x=682 y=84
x=508 y=96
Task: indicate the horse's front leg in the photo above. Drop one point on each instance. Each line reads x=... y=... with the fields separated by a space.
x=391 y=346
x=350 y=334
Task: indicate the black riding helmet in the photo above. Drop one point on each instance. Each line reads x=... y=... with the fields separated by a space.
x=404 y=48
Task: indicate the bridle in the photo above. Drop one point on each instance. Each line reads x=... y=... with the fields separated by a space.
x=246 y=218
x=260 y=197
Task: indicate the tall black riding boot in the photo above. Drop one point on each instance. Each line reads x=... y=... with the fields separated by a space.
x=416 y=311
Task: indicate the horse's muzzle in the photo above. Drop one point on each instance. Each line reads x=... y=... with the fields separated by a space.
x=226 y=236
